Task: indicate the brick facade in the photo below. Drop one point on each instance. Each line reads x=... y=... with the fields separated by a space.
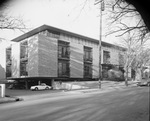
x=42 y=49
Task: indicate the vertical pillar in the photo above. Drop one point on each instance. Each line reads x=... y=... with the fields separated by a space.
x=53 y=84
x=26 y=84
x=39 y=82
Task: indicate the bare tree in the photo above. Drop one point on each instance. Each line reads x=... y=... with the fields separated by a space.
x=126 y=22
x=136 y=56
x=12 y=23
x=121 y=15
x=8 y=22
x=141 y=60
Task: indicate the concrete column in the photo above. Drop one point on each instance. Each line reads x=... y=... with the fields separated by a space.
x=53 y=84
x=2 y=90
x=26 y=84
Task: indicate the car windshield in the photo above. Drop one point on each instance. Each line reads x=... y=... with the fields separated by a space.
x=43 y=84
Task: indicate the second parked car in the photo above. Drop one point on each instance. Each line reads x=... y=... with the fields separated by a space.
x=16 y=86
x=144 y=83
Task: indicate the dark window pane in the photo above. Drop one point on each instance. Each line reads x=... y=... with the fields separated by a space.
x=63 y=49
x=8 y=56
x=106 y=57
x=8 y=71
x=24 y=50
x=87 y=70
x=63 y=59
x=63 y=69
x=8 y=62
x=59 y=68
x=88 y=54
x=23 y=69
x=59 y=51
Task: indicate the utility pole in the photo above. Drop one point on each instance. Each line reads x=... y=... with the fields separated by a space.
x=101 y=2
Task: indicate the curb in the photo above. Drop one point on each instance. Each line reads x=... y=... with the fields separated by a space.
x=15 y=98
x=8 y=99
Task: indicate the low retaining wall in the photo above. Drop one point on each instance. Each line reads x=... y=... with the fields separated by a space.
x=75 y=85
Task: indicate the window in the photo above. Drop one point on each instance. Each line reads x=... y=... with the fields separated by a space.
x=87 y=62
x=88 y=54
x=106 y=57
x=24 y=50
x=8 y=62
x=23 y=69
x=63 y=59
x=8 y=71
x=87 y=70
x=63 y=49
x=121 y=60
x=23 y=58
x=8 y=54
x=63 y=69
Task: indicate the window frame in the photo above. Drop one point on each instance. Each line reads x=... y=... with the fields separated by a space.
x=24 y=50
x=106 y=57
x=63 y=50
x=8 y=71
x=87 y=70
x=88 y=59
x=8 y=62
x=88 y=54
x=64 y=70
x=23 y=72
x=63 y=59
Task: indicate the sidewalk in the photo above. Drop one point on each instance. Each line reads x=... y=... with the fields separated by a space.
x=19 y=95
x=28 y=95
x=108 y=86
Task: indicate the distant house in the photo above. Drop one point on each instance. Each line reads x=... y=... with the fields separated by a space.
x=48 y=53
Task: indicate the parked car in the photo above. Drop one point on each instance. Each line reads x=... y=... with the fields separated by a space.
x=42 y=86
x=11 y=81
x=16 y=86
x=144 y=83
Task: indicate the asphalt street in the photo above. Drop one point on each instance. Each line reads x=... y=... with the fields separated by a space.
x=130 y=104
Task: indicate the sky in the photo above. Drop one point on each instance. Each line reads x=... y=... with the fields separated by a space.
x=64 y=14
x=71 y=15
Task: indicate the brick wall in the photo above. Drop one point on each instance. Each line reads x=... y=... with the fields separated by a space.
x=47 y=56
x=95 y=62
x=76 y=60
x=32 y=66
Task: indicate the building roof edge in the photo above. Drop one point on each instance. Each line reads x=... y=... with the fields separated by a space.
x=47 y=27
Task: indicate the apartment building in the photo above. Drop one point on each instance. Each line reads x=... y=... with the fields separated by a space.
x=49 y=53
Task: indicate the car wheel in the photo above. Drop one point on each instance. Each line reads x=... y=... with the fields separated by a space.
x=47 y=88
x=36 y=88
